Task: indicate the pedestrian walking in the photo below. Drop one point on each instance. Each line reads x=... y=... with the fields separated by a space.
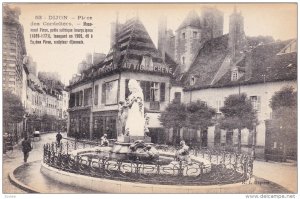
x=26 y=148
x=5 y=142
x=58 y=138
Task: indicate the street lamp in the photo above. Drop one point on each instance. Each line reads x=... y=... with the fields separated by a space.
x=282 y=135
x=253 y=141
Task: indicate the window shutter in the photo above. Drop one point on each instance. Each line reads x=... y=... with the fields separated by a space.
x=147 y=91
x=126 y=88
x=96 y=95
x=162 y=92
x=103 y=100
x=258 y=103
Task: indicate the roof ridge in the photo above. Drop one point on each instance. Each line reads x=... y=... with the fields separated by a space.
x=222 y=70
x=275 y=42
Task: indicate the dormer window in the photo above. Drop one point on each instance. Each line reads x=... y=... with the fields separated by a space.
x=195 y=34
x=192 y=81
x=183 y=35
x=234 y=75
x=290 y=48
x=147 y=63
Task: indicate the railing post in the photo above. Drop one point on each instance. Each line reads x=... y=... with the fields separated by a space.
x=67 y=147
x=180 y=173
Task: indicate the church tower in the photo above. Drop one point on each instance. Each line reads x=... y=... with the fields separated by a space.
x=162 y=35
x=188 y=40
x=237 y=39
x=213 y=22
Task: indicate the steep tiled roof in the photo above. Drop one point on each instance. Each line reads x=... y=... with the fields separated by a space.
x=262 y=64
x=192 y=20
x=133 y=43
x=208 y=61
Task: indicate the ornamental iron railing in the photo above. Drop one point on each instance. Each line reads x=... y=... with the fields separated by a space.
x=207 y=167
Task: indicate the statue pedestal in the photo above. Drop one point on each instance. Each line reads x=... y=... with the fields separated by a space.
x=121 y=149
x=131 y=139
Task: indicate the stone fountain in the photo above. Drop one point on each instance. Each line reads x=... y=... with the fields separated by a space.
x=132 y=142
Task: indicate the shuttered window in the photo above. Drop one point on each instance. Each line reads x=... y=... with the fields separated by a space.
x=127 y=92
x=96 y=94
x=103 y=99
x=162 y=91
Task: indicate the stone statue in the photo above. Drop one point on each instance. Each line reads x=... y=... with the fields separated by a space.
x=183 y=153
x=135 y=123
x=122 y=118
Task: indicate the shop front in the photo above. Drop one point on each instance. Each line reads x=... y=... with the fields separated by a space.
x=105 y=122
x=80 y=123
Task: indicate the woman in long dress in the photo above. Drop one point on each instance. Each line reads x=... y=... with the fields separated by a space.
x=135 y=120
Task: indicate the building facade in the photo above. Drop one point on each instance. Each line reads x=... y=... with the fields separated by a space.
x=14 y=51
x=95 y=95
x=228 y=65
x=46 y=103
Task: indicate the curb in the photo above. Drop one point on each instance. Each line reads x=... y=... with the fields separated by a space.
x=19 y=184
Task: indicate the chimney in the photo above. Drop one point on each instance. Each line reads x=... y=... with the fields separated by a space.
x=162 y=39
x=114 y=31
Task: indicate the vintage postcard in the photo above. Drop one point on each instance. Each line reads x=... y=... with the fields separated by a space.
x=150 y=98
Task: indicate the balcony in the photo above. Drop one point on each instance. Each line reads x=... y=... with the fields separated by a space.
x=154 y=105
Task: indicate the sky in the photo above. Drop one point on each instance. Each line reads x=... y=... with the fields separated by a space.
x=274 y=19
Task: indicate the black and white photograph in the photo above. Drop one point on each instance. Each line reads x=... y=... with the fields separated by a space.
x=150 y=98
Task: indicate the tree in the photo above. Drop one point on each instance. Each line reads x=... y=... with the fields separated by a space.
x=199 y=115
x=238 y=114
x=284 y=106
x=13 y=110
x=286 y=97
x=174 y=117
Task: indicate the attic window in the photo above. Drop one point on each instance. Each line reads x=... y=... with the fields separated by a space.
x=234 y=75
x=192 y=81
x=183 y=35
x=146 y=63
x=183 y=60
x=195 y=34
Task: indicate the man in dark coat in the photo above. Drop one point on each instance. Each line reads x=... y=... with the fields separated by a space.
x=26 y=148
x=58 y=138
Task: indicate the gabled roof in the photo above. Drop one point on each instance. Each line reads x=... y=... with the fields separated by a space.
x=133 y=43
x=191 y=20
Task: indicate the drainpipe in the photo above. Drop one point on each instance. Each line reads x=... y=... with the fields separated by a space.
x=169 y=92
x=91 y=113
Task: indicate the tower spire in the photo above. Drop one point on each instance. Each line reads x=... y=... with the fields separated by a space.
x=116 y=48
x=117 y=26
